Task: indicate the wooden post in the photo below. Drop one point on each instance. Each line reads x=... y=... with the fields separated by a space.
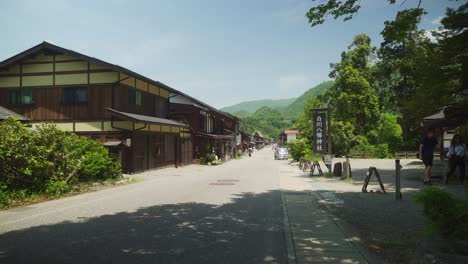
x=346 y=168
x=397 y=180
x=329 y=137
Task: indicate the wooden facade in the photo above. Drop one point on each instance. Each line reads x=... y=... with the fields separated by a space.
x=212 y=131
x=49 y=84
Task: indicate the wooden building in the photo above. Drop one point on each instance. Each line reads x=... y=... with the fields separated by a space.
x=245 y=141
x=5 y=113
x=126 y=111
x=212 y=130
x=259 y=140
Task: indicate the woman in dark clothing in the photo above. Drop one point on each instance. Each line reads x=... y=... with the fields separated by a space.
x=426 y=153
x=456 y=154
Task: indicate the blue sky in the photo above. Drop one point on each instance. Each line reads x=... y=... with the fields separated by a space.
x=219 y=51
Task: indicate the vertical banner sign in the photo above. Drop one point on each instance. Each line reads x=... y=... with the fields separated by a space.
x=320 y=135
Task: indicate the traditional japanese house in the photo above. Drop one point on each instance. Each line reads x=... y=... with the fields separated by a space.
x=245 y=141
x=259 y=140
x=212 y=130
x=122 y=109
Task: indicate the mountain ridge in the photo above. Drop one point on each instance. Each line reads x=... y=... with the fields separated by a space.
x=292 y=107
x=253 y=105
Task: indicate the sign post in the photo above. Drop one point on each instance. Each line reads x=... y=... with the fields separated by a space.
x=319 y=135
x=321 y=129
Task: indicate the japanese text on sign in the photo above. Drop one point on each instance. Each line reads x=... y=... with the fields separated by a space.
x=319 y=129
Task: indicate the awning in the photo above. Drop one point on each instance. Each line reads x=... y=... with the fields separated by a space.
x=4 y=113
x=145 y=119
x=214 y=136
x=113 y=144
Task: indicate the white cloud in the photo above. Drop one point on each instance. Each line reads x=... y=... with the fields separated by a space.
x=428 y=34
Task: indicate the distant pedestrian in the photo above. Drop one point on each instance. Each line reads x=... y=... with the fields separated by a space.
x=457 y=152
x=426 y=154
x=250 y=152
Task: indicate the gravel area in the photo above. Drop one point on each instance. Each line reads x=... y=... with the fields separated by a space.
x=393 y=230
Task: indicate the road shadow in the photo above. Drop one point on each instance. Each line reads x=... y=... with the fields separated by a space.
x=248 y=230
x=395 y=230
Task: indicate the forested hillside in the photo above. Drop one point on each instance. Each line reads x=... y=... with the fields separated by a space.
x=296 y=108
x=252 y=106
x=269 y=122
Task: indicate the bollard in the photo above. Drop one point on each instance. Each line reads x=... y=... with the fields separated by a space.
x=397 y=180
x=346 y=172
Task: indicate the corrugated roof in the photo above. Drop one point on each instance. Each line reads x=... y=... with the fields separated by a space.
x=146 y=119
x=4 y=113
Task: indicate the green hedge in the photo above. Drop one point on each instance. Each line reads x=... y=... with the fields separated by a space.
x=49 y=160
x=380 y=151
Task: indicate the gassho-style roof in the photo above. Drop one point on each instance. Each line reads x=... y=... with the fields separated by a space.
x=46 y=46
x=145 y=119
x=4 y=113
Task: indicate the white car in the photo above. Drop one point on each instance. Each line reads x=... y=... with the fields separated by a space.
x=281 y=153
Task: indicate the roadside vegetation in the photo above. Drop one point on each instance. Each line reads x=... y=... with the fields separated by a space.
x=47 y=163
x=381 y=94
x=446 y=213
x=209 y=159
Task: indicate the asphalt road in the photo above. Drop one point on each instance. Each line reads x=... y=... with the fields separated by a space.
x=196 y=214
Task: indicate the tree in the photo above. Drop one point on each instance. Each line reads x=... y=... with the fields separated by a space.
x=352 y=97
x=265 y=120
x=338 y=8
x=453 y=41
x=421 y=76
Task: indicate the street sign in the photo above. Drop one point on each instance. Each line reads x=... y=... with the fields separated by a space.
x=320 y=132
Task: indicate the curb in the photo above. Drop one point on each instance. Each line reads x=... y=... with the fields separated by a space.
x=290 y=250
x=347 y=230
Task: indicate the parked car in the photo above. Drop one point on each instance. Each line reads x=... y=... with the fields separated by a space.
x=281 y=153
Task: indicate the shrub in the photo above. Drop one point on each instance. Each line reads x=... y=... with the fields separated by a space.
x=297 y=149
x=48 y=159
x=239 y=154
x=216 y=162
x=96 y=163
x=309 y=156
x=56 y=188
x=377 y=151
x=210 y=157
x=4 y=197
x=202 y=161
x=446 y=213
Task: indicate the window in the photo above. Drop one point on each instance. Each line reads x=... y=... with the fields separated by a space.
x=75 y=95
x=21 y=96
x=161 y=106
x=134 y=97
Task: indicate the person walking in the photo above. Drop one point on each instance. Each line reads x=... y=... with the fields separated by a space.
x=426 y=154
x=456 y=154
